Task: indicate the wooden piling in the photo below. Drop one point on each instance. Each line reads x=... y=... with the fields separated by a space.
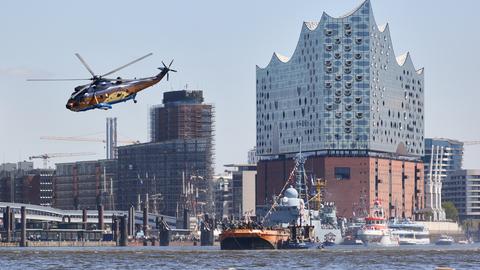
x=7 y=224
x=131 y=220
x=115 y=229
x=23 y=222
x=145 y=220
x=123 y=231
x=101 y=225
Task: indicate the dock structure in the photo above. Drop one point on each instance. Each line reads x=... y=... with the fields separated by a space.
x=24 y=224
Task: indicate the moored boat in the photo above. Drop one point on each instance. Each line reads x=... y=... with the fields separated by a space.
x=410 y=233
x=376 y=229
x=445 y=240
x=300 y=204
x=253 y=238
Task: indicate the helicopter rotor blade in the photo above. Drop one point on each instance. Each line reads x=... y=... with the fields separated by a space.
x=85 y=64
x=170 y=64
x=126 y=65
x=47 y=80
x=118 y=80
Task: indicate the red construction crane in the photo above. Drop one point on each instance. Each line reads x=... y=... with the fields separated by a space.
x=46 y=157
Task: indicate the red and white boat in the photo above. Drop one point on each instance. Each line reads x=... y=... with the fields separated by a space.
x=376 y=228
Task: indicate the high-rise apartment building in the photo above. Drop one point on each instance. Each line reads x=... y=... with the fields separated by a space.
x=352 y=107
x=442 y=157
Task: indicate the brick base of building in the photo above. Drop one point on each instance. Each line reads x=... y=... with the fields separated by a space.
x=352 y=183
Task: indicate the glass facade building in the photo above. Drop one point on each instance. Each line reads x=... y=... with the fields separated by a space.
x=442 y=157
x=343 y=89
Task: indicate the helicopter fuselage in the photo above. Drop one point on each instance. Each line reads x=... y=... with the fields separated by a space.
x=102 y=94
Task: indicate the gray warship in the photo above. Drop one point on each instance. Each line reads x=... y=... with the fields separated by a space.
x=296 y=206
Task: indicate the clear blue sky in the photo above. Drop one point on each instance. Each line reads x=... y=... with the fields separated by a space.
x=216 y=45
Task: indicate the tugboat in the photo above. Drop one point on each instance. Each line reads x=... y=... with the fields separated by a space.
x=376 y=229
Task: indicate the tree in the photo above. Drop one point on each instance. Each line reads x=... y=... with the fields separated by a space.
x=429 y=216
x=451 y=211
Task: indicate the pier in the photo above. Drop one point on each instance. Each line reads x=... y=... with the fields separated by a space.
x=28 y=225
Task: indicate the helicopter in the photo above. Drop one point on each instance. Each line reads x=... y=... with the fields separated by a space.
x=103 y=92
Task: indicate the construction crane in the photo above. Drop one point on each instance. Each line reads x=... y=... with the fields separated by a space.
x=46 y=157
x=471 y=142
x=109 y=144
x=83 y=139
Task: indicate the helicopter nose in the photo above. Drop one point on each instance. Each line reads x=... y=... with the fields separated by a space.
x=69 y=105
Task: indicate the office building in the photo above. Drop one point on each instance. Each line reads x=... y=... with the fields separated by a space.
x=8 y=167
x=222 y=186
x=442 y=157
x=243 y=188
x=462 y=188
x=32 y=186
x=252 y=156
x=86 y=184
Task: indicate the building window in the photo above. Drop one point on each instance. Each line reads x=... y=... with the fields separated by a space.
x=342 y=173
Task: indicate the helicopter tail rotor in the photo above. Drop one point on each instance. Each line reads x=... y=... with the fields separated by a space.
x=167 y=68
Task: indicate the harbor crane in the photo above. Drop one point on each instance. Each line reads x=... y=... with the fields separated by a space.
x=47 y=157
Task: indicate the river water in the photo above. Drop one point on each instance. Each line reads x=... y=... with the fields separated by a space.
x=339 y=257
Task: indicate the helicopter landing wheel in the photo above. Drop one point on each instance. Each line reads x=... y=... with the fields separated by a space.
x=134 y=101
